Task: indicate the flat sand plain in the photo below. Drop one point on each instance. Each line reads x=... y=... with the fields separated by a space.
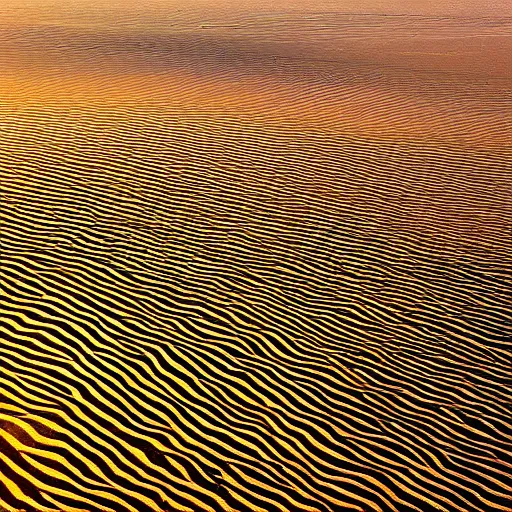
x=257 y=257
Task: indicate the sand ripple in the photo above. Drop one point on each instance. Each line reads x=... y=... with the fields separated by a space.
x=242 y=305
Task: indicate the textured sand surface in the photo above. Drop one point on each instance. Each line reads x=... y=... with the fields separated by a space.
x=257 y=257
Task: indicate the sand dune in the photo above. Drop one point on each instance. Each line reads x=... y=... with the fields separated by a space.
x=255 y=263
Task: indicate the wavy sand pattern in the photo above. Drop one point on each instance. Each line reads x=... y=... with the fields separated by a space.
x=255 y=260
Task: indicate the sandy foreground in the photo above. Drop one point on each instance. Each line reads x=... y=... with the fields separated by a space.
x=257 y=257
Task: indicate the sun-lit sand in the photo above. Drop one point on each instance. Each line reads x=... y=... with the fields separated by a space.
x=255 y=256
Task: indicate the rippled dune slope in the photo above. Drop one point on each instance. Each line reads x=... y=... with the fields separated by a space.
x=255 y=260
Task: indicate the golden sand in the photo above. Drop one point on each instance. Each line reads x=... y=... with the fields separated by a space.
x=256 y=256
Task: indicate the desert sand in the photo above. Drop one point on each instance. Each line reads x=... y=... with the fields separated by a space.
x=255 y=257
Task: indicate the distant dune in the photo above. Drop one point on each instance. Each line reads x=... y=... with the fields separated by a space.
x=255 y=257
